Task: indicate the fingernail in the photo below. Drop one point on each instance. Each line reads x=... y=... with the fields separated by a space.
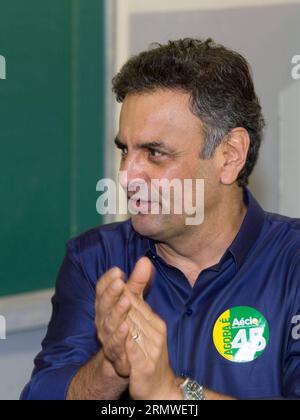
x=116 y=272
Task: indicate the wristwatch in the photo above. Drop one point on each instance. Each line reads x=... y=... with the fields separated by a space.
x=192 y=390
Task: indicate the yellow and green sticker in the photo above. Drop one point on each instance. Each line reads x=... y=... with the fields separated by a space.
x=241 y=334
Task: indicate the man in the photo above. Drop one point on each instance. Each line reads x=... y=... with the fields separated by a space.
x=160 y=309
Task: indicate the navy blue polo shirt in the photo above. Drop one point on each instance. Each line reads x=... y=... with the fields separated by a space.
x=257 y=282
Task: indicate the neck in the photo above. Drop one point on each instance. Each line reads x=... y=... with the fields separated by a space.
x=204 y=246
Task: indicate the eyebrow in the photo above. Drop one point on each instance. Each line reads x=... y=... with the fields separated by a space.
x=147 y=145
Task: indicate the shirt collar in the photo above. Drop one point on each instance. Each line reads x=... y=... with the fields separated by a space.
x=245 y=239
x=249 y=231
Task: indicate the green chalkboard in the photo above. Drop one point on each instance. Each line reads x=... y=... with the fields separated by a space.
x=51 y=134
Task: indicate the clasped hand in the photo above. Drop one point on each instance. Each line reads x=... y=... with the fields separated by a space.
x=132 y=336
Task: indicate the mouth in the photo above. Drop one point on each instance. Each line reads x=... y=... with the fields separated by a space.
x=139 y=205
x=142 y=206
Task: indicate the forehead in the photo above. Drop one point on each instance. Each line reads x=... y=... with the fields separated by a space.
x=161 y=114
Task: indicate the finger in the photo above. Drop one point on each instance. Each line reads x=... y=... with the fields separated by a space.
x=137 y=323
x=110 y=297
x=116 y=349
x=119 y=313
x=143 y=307
x=107 y=278
x=143 y=318
x=149 y=337
x=140 y=277
x=149 y=346
x=137 y=352
x=118 y=341
x=122 y=366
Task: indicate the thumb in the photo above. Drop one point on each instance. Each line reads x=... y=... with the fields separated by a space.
x=140 y=277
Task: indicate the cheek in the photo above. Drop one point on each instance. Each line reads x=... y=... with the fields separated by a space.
x=208 y=171
x=184 y=170
x=189 y=169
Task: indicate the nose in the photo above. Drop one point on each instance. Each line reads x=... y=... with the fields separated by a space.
x=132 y=171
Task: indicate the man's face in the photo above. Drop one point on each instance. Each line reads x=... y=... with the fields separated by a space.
x=161 y=138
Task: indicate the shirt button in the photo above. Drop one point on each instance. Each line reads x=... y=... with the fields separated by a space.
x=189 y=312
x=183 y=375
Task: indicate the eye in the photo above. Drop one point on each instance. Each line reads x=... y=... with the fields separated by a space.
x=156 y=153
x=124 y=151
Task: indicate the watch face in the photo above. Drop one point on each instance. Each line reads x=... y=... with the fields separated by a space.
x=194 y=391
x=193 y=387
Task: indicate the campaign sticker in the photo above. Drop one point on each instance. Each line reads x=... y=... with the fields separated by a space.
x=241 y=334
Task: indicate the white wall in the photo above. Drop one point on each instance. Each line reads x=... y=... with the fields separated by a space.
x=26 y=318
x=289 y=194
x=16 y=361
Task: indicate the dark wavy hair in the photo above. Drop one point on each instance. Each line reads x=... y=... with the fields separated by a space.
x=218 y=80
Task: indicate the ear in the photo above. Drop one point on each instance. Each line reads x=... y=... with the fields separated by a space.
x=234 y=154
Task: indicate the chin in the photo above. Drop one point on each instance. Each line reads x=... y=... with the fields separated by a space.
x=147 y=225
